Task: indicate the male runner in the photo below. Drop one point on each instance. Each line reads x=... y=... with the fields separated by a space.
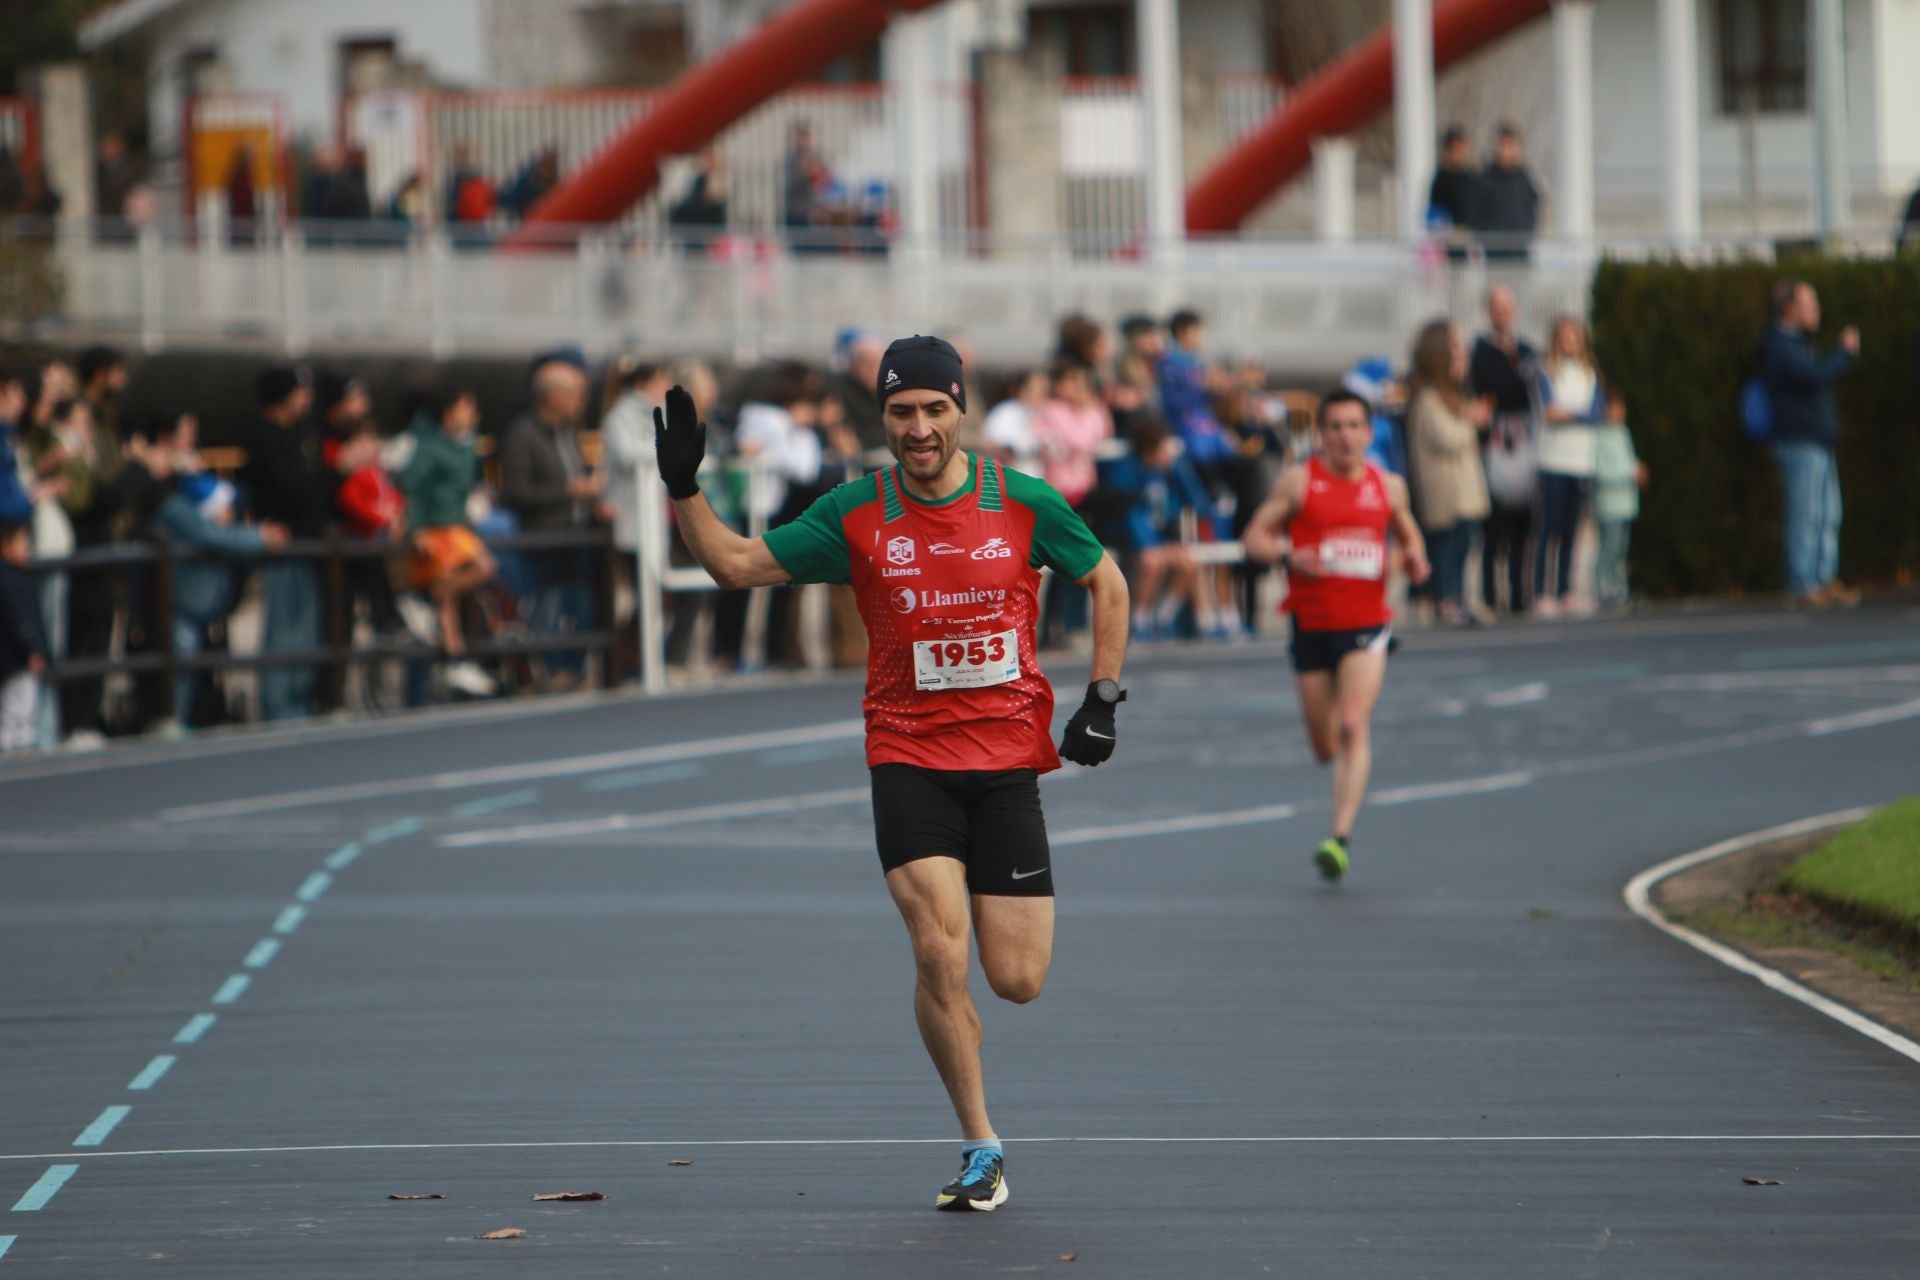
x=943 y=551
x=1336 y=510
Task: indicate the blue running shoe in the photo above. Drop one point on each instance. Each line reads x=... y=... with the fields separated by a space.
x=982 y=1184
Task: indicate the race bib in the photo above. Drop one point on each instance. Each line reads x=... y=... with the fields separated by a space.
x=966 y=664
x=1346 y=557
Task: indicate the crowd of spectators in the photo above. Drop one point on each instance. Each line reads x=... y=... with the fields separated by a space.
x=1163 y=448
x=1495 y=204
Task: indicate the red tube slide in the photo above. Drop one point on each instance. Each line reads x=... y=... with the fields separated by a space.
x=1333 y=102
x=793 y=44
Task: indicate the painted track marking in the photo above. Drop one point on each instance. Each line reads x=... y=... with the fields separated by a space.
x=150 y=1074
x=103 y=1125
x=43 y=1191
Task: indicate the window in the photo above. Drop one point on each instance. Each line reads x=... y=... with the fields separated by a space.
x=1763 y=56
x=1093 y=39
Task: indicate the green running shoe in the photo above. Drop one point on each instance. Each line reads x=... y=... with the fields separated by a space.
x=1331 y=859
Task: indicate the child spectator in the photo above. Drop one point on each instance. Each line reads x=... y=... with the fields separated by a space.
x=198 y=516
x=365 y=499
x=450 y=562
x=23 y=639
x=1618 y=477
x=1186 y=393
x=1010 y=429
x=1161 y=486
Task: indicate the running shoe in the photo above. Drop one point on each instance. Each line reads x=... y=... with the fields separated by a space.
x=1331 y=858
x=982 y=1184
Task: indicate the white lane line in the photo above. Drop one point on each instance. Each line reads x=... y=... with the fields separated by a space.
x=1519 y=696
x=527 y=771
x=1173 y=826
x=1441 y=1139
x=1864 y=719
x=1448 y=790
x=150 y=1074
x=650 y=821
x=105 y=1123
x=1639 y=898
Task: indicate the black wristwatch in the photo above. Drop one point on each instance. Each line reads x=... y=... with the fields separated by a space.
x=1107 y=691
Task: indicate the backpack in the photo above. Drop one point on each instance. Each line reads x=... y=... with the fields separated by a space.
x=1756 y=409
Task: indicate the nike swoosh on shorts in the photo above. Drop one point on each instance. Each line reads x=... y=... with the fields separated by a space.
x=1024 y=875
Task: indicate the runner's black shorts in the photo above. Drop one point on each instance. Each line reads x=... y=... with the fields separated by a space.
x=1322 y=650
x=989 y=819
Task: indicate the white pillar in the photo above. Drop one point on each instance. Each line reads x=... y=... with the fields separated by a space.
x=1333 y=170
x=1826 y=60
x=1573 y=72
x=1157 y=36
x=1680 y=98
x=911 y=74
x=1413 y=111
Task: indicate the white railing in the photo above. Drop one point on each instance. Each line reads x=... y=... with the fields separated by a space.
x=1294 y=305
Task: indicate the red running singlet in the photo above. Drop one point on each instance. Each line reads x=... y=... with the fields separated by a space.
x=1346 y=521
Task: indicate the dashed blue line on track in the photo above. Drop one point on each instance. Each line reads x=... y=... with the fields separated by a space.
x=289 y=919
x=151 y=1073
x=232 y=989
x=393 y=830
x=495 y=804
x=45 y=1189
x=342 y=858
x=196 y=1027
x=6 y=1243
x=103 y=1125
x=642 y=777
x=262 y=954
x=314 y=885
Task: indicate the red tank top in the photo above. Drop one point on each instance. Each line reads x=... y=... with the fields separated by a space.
x=1346 y=521
x=949 y=595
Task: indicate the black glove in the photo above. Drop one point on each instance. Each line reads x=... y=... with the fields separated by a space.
x=679 y=443
x=1089 y=736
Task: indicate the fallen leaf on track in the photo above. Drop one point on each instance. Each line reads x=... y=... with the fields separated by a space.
x=681 y=1163
x=506 y=1233
x=570 y=1195
x=435 y=1196
x=1069 y=1257
x=1761 y=1182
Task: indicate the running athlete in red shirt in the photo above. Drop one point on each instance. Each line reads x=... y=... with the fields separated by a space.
x=944 y=551
x=1335 y=512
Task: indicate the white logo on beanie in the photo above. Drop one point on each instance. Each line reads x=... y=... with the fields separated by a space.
x=893 y=376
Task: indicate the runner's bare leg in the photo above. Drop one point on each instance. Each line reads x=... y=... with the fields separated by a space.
x=1015 y=936
x=1356 y=688
x=932 y=896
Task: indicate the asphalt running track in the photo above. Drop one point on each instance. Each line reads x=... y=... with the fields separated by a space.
x=253 y=987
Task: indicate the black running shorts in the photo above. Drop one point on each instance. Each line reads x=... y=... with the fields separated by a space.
x=989 y=819
x=1322 y=650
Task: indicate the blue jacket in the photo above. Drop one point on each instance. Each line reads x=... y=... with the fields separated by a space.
x=203 y=585
x=1799 y=384
x=1158 y=498
x=1188 y=405
x=16 y=505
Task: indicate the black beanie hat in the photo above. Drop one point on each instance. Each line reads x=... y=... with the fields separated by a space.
x=921 y=364
x=274 y=384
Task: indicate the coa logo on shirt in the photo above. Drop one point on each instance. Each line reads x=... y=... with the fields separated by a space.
x=900 y=551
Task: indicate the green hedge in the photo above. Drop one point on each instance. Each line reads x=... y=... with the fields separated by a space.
x=1678 y=341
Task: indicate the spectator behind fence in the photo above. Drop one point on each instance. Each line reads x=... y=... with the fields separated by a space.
x=285 y=486
x=1806 y=427
x=1505 y=366
x=700 y=214
x=1186 y=394
x=197 y=516
x=1010 y=431
x=1158 y=485
x=626 y=443
x=365 y=500
x=449 y=561
x=1907 y=234
x=23 y=638
x=1135 y=390
x=18 y=388
x=539 y=175
x=96 y=497
x=546 y=483
x=803 y=177
x=855 y=381
x=1450 y=198
x=1506 y=206
x=1084 y=341
x=103 y=381
x=1443 y=445
x=1618 y=477
x=1572 y=403
x=1072 y=427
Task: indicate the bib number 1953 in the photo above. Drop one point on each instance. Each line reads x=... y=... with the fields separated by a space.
x=966 y=664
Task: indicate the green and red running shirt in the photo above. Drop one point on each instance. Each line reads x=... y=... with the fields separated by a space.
x=949 y=593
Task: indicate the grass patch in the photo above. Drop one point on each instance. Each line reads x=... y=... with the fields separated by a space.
x=1869 y=872
x=1775 y=921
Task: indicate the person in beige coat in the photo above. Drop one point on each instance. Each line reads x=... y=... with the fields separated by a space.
x=1443 y=443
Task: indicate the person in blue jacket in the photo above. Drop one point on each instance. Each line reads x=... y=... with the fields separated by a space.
x=1152 y=487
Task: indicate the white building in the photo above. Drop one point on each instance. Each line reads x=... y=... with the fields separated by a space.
x=1755 y=135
